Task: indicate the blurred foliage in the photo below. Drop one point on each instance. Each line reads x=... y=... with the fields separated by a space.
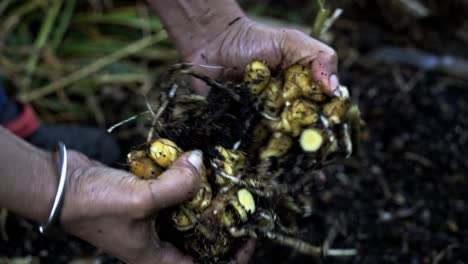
x=59 y=53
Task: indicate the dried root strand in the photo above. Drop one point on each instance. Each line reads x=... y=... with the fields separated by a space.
x=242 y=232
x=294 y=243
x=261 y=188
x=214 y=84
x=199 y=226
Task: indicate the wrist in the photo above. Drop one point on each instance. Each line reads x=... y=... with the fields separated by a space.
x=28 y=178
x=194 y=23
x=47 y=173
x=71 y=210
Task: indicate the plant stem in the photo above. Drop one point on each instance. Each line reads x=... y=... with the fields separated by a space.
x=320 y=18
x=41 y=39
x=336 y=252
x=17 y=14
x=63 y=24
x=93 y=67
x=122 y=78
x=125 y=121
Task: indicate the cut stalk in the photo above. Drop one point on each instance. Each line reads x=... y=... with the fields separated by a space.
x=320 y=18
x=311 y=140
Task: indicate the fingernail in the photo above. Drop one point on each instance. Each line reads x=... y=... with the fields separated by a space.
x=196 y=159
x=334 y=83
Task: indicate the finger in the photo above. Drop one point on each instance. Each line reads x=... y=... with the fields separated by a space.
x=179 y=183
x=200 y=87
x=324 y=69
x=323 y=62
x=153 y=250
x=170 y=254
x=244 y=254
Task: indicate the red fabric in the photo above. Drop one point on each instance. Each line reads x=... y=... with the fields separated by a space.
x=25 y=124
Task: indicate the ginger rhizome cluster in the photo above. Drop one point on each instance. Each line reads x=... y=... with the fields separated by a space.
x=259 y=159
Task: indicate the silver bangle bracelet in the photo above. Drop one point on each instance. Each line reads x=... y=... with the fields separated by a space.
x=54 y=213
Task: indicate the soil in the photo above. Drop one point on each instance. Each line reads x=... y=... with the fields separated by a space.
x=403 y=198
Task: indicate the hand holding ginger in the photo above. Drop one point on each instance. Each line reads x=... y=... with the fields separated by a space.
x=213 y=32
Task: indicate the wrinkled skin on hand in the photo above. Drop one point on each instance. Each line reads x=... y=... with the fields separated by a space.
x=246 y=40
x=115 y=211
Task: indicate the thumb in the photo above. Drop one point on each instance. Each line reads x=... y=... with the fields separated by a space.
x=170 y=254
x=244 y=254
x=179 y=183
x=320 y=58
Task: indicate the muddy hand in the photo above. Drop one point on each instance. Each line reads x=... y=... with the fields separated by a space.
x=115 y=211
x=246 y=40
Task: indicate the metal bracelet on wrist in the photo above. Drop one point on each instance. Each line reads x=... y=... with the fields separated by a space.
x=55 y=212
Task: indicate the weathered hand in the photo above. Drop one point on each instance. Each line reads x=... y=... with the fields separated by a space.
x=246 y=40
x=115 y=211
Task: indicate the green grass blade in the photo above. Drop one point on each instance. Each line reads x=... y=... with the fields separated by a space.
x=41 y=39
x=320 y=18
x=63 y=24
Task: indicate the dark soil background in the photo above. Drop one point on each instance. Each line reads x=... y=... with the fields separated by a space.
x=403 y=198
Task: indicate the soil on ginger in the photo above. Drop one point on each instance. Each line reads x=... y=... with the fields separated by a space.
x=403 y=199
